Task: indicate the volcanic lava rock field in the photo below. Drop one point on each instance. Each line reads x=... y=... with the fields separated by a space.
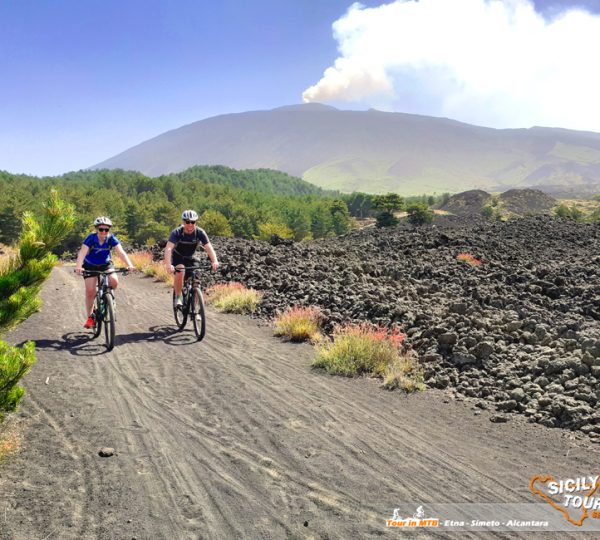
x=520 y=333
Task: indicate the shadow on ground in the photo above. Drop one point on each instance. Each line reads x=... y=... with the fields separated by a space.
x=84 y=344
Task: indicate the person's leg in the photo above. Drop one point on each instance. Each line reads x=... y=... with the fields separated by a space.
x=113 y=281
x=178 y=280
x=90 y=293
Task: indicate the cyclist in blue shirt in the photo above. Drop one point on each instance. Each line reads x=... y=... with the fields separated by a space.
x=94 y=255
x=181 y=247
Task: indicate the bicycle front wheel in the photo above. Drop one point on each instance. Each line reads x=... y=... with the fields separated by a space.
x=198 y=315
x=97 y=314
x=109 y=322
x=180 y=313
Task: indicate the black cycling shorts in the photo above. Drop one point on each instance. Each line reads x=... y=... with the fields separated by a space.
x=186 y=261
x=98 y=267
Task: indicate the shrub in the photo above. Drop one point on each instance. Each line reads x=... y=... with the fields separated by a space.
x=487 y=212
x=266 y=230
x=298 y=323
x=19 y=305
x=15 y=362
x=565 y=212
x=32 y=272
x=359 y=348
x=491 y=213
x=233 y=298
x=386 y=219
x=576 y=214
x=467 y=258
x=419 y=214
x=20 y=283
x=215 y=223
x=40 y=237
x=405 y=374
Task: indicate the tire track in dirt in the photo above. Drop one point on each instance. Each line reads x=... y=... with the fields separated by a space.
x=237 y=437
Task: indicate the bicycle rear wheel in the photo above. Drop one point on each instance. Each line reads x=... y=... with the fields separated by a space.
x=180 y=313
x=109 y=322
x=197 y=312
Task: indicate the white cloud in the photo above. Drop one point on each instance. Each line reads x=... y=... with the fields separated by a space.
x=489 y=62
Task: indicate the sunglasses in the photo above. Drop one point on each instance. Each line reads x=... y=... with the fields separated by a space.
x=189 y=222
x=102 y=229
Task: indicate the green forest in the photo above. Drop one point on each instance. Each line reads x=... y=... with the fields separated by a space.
x=252 y=204
x=246 y=204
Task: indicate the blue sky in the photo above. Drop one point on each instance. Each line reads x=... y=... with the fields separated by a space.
x=83 y=80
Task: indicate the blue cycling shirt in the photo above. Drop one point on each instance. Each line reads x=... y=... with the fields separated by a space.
x=99 y=253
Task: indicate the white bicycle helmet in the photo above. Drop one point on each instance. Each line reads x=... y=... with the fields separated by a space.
x=189 y=215
x=102 y=220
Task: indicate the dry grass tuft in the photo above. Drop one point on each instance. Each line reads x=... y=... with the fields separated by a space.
x=158 y=271
x=233 y=298
x=9 y=260
x=10 y=440
x=359 y=348
x=405 y=374
x=142 y=260
x=299 y=323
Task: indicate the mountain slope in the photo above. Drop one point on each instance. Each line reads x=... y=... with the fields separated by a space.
x=375 y=151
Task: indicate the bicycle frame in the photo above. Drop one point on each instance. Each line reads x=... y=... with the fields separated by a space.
x=104 y=306
x=193 y=303
x=102 y=285
x=190 y=281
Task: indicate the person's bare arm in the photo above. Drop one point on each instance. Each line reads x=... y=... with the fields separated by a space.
x=83 y=251
x=168 y=253
x=123 y=256
x=212 y=256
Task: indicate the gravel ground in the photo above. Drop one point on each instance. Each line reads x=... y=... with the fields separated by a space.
x=518 y=334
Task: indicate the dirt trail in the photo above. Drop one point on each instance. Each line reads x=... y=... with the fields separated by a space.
x=236 y=437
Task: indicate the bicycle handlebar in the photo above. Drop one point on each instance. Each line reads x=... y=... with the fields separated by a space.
x=186 y=268
x=91 y=273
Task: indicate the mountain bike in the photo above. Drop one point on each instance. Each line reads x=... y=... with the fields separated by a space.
x=105 y=311
x=193 y=303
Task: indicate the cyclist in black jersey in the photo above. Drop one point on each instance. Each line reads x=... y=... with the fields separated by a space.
x=181 y=247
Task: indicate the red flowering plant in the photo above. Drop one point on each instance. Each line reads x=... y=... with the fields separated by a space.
x=469 y=259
